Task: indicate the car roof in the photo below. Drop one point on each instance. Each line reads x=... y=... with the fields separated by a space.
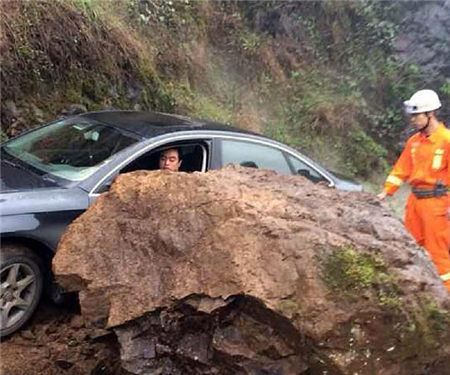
x=151 y=124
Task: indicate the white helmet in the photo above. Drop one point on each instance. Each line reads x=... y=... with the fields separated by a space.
x=422 y=101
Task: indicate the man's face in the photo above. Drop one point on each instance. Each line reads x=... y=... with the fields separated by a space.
x=418 y=120
x=170 y=160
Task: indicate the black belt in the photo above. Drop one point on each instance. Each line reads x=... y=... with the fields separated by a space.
x=439 y=191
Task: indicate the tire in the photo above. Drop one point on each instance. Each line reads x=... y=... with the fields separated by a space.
x=21 y=284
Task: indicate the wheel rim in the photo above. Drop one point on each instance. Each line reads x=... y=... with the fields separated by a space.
x=17 y=293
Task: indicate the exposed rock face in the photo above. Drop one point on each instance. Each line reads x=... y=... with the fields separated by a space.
x=425 y=43
x=243 y=271
x=424 y=39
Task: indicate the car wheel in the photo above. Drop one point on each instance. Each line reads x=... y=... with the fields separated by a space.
x=21 y=283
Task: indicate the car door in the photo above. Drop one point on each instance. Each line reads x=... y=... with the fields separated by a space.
x=196 y=155
x=253 y=154
x=264 y=155
x=305 y=169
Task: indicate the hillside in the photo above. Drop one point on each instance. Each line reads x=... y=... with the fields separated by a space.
x=325 y=77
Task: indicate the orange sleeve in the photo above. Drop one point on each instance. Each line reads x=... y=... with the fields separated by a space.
x=448 y=178
x=400 y=172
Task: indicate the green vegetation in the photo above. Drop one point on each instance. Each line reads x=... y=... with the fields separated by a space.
x=424 y=327
x=351 y=273
x=362 y=154
x=439 y=319
x=289 y=308
x=78 y=55
x=250 y=42
x=319 y=76
x=199 y=105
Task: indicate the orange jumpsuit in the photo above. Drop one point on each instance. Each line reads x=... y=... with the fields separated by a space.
x=423 y=162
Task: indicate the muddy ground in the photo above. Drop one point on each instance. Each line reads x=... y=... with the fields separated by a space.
x=57 y=342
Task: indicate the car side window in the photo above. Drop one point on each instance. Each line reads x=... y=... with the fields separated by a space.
x=254 y=155
x=194 y=157
x=303 y=169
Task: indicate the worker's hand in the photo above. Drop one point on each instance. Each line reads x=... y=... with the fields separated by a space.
x=382 y=196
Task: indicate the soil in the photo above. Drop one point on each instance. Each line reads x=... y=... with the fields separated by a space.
x=57 y=342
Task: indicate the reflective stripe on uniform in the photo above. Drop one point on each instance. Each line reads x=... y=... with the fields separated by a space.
x=394 y=180
x=413 y=152
x=437 y=159
x=445 y=276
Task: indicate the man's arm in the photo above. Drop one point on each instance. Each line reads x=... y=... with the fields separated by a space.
x=382 y=196
x=399 y=174
x=448 y=180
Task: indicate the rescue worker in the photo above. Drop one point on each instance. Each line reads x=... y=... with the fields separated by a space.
x=425 y=163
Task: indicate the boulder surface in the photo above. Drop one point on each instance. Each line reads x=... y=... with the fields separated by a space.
x=243 y=271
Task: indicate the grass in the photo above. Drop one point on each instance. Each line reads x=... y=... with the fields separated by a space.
x=207 y=60
x=351 y=273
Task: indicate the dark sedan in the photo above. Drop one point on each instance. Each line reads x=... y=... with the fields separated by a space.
x=50 y=175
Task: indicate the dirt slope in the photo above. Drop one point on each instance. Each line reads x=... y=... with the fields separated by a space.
x=57 y=342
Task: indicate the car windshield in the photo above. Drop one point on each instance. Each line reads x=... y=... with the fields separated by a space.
x=71 y=149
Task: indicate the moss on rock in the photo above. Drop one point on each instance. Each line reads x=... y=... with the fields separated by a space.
x=351 y=273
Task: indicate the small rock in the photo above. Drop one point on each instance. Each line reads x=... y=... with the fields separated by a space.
x=12 y=109
x=98 y=334
x=28 y=335
x=37 y=113
x=134 y=92
x=113 y=92
x=77 y=321
x=65 y=365
x=74 y=109
x=51 y=328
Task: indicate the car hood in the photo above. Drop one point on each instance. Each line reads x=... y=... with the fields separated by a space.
x=14 y=178
x=345 y=183
x=43 y=200
x=348 y=186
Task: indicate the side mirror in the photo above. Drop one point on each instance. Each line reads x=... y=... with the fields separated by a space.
x=311 y=177
x=304 y=173
x=249 y=164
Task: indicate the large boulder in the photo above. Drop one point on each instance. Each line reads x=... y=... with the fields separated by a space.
x=242 y=271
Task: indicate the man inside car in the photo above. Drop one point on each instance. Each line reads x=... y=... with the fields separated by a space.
x=170 y=160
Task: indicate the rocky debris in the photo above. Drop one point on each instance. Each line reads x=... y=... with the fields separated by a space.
x=57 y=342
x=74 y=109
x=21 y=117
x=36 y=113
x=12 y=110
x=242 y=271
x=13 y=116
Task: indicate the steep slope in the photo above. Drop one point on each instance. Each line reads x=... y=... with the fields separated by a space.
x=317 y=75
